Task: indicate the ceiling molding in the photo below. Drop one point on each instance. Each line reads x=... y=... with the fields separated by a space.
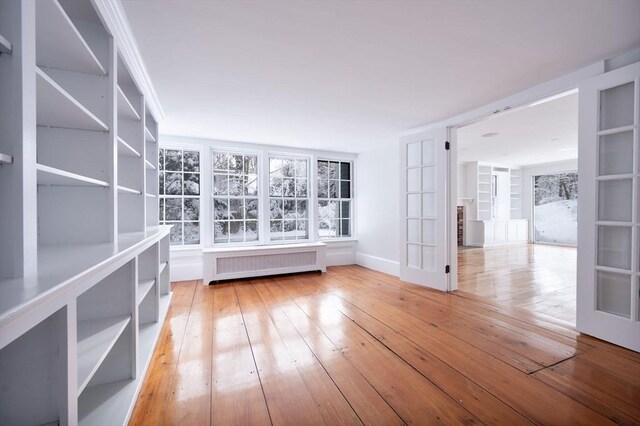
x=116 y=21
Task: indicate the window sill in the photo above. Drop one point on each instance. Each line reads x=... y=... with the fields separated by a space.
x=263 y=247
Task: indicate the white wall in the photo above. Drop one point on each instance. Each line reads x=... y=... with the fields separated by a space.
x=377 y=189
x=462 y=184
x=528 y=172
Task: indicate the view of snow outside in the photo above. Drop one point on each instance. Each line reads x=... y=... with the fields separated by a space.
x=288 y=199
x=179 y=190
x=556 y=208
x=334 y=194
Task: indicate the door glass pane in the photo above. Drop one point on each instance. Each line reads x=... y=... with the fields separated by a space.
x=614 y=200
x=428 y=258
x=616 y=106
x=428 y=152
x=428 y=231
x=429 y=179
x=413 y=255
x=614 y=247
x=413 y=230
x=616 y=154
x=413 y=180
x=413 y=205
x=413 y=154
x=613 y=291
x=429 y=205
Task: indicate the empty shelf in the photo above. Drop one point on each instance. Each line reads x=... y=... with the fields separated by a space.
x=125 y=107
x=151 y=195
x=56 y=177
x=148 y=135
x=95 y=340
x=59 y=44
x=6 y=159
x=126 y=150
x=126 y=190
x=5 y=46
x=55 y=107
x=163 y=265
x=143 y=288
x=149 y=165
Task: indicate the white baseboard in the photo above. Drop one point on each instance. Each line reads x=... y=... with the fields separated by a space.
x=387 y=266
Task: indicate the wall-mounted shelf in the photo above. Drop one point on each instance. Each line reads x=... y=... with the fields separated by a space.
x=126 y=190
x=56 y=177
x=57 y=108
x=95 y=339
x=151 y=195
x=5 y=46
x=143 y=288
x=148 y=135
x=59 y=44
x=126 y=150
x=5 y=159
x=148 y=165
x=126 y=109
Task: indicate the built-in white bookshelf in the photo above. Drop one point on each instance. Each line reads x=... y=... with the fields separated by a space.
x=515 y=180
x=84 y=266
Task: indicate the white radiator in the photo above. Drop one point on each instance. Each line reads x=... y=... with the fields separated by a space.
x=244 y=262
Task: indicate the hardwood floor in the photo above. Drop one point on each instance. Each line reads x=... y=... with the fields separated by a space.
x=354 y=346
x=536 y=277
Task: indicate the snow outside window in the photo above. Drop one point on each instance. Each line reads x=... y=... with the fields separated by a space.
x=288 y=199
x=555 y=208
x=180 y=194
x=334 y=199
x=235 y=197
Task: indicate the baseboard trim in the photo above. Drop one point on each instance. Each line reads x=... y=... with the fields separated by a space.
x=379 y=264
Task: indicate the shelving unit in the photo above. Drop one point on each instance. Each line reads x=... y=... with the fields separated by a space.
x=515 y=193
x=85 y=275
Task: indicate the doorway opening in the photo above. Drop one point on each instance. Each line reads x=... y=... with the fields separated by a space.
x=517 y=200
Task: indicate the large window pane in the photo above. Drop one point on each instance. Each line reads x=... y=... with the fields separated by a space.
x=556 y=208
x=288 y=199
x=334 y=198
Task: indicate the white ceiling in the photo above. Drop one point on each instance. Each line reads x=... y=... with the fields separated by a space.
x=350 y=75
x=543 y=133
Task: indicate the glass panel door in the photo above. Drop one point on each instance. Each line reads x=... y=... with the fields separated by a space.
x=609 y=218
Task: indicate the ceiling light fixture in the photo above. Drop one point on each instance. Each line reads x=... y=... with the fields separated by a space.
x=490 y=135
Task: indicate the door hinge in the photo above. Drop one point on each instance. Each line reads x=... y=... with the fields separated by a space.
x=447 y=145
x=447 y=269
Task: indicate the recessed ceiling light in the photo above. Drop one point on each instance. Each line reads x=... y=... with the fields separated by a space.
x=490 y=135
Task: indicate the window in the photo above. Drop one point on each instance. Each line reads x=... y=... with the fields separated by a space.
x=555 y=208
x=179 y=193
x=288 y=199
x=235 y=197
x=334 y=199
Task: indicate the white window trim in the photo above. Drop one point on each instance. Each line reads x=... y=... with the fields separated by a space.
x=352 y=219
x=187 y=147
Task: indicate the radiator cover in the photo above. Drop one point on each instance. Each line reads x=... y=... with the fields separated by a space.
x=245 y=262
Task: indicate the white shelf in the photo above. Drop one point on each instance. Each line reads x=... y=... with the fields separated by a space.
x=149 y=165
x=125 y=190
x=112 y=403
x=148 y=135
x=5 y=46
x=125 y=107
x=151 y=195
x=143 y=288
x=55 y=107
x=126 y=150
x=163 y=265
x=5 y=159
x=95 y=340
x=59 y=44
x=56 y=177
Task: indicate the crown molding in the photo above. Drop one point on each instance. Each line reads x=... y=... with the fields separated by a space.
x=115 y=19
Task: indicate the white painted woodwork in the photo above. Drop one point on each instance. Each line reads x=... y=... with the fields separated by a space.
x=5 y=45
x=223 y=263
x=125 y=107
x=6 y=159
x=486 y=233
x=56 y=177
x=126 y=150
x=609 y=215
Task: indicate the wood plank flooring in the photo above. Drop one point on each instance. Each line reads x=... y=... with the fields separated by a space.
x=354 y=346
x=540 y=278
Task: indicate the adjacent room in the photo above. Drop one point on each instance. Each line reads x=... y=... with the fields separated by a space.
x=517 y=192
x=316 y=212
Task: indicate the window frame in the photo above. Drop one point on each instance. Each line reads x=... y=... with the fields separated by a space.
x=352 y=204
x=201 y=221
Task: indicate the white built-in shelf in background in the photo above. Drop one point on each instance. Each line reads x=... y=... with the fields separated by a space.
x=148 y=135
x=56 y=177
x=59 y=44
x=151 y=195
x=125 y=107
x=126 y=150
x=149 y=165
x=5 y=46
x=127 y=190
x=95 y=339
x=5 y=159
x=143 y=288
x=56 y=107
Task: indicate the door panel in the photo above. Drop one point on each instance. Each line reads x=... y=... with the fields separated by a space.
x=423 y=234
x=609 y=216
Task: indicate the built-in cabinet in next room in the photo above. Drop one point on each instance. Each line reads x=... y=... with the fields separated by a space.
x=492 y=205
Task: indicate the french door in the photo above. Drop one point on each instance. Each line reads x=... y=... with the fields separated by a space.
x=608 y=287
x=423 y=225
